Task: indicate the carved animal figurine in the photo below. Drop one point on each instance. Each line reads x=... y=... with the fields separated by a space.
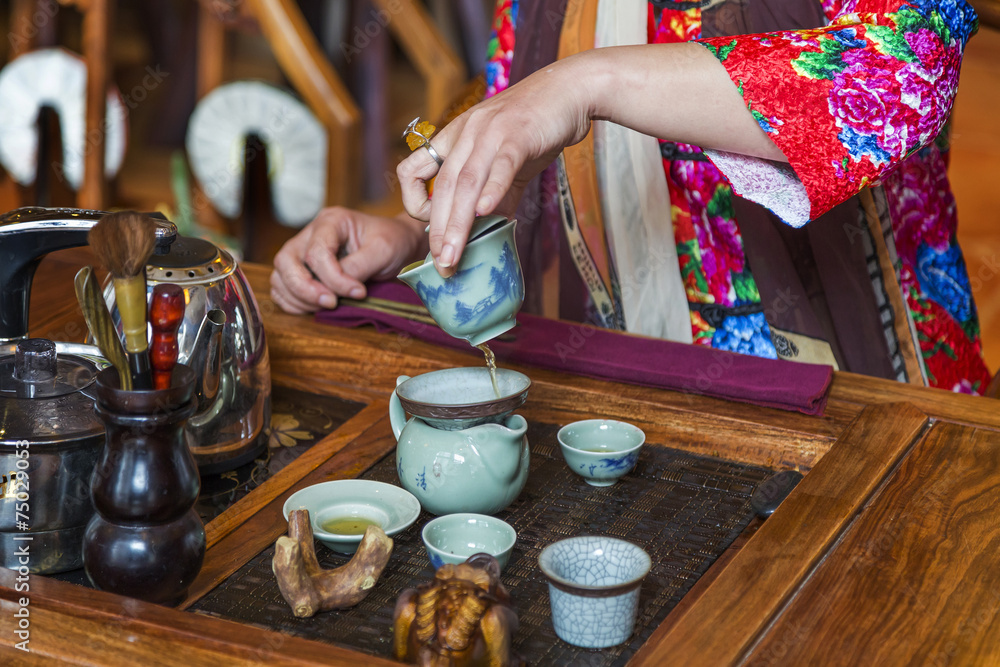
x=462 y=618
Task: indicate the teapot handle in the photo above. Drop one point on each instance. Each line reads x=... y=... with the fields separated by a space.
x=397 y=417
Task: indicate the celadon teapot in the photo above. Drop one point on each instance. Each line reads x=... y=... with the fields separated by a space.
x=478 y=468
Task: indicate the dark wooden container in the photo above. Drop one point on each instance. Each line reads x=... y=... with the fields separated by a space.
x=145 y=541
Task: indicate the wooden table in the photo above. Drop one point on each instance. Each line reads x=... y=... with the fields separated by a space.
x=886 y=553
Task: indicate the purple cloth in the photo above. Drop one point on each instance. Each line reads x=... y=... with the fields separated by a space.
x=609 y=355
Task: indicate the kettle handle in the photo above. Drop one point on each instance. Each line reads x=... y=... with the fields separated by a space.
x=397 y=417
x=26 y=235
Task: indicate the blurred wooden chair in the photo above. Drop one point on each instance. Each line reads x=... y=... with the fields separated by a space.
x=988 y=11
x=302 y=60
x=466 y=24
x=993 y=390
x=93 y=190
x=366 y=51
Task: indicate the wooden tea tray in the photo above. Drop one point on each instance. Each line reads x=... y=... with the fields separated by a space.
x=886 y=553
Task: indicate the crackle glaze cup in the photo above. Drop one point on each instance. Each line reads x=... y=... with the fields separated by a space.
x=455 y=537
x=600 y=450
x=594 y=587
x=481 y=299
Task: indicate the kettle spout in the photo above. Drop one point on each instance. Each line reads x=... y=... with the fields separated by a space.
x=206 y=358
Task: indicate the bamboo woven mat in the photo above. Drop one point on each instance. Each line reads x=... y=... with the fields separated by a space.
x=683 y=509
x=298 y=421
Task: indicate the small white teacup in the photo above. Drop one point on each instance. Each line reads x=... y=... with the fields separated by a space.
x=594 y=587
x=454 y=537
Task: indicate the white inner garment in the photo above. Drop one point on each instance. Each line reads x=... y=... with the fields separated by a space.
x=635 y=203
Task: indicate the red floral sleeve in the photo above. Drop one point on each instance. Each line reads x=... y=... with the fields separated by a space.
x=846 y=102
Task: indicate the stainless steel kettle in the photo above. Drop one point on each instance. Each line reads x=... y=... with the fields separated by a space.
x=50 y=439
x=221 y=336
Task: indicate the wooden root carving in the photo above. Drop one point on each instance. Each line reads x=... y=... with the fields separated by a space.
x=462 y=618
x=307 y=587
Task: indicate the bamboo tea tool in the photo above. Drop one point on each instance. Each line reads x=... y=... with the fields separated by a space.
x=123 y=241
x=405 y=310
x=95 y=312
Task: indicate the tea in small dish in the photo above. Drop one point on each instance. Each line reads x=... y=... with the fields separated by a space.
x=341 y=511
x=349 y=525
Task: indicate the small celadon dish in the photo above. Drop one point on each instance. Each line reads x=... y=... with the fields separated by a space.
x=594 y=585
x=340 y=511
x=600 y=450
x=454 y=537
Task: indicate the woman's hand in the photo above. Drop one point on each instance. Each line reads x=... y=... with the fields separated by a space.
x=491 y=152
x=679 y=92
x=337 y=252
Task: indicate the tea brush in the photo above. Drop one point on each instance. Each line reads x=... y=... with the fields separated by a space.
x=95 y=312
x=123 y=241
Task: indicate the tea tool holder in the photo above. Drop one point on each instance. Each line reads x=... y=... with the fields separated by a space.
x=221 y=337
x=146 y=540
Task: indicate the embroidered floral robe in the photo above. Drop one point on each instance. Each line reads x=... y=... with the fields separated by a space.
x=861 y=101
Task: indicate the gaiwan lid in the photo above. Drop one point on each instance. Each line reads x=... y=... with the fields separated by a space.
x=481 y=225
x=47 y=394
x=485 y=223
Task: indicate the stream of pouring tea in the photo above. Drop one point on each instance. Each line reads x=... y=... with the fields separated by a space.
x=491 y=364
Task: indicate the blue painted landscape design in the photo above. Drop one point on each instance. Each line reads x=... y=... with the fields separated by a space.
x=622 y=463
x=452 y=287
x=504 y=284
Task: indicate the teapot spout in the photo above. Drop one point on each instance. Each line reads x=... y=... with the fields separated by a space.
x=496 y=442
x=206 y=358
x=517 y=425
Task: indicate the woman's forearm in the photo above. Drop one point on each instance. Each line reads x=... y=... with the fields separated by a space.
x=679 y=92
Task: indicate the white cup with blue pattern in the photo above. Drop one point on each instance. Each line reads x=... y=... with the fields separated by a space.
x=594 y=584
x=600 y=450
